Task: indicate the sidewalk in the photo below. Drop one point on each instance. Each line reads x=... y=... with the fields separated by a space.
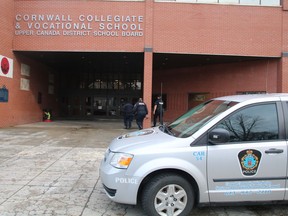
x=52 y=168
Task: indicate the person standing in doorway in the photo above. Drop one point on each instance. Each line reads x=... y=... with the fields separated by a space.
x=128 y=114
x=158 y=111
x=140 y=111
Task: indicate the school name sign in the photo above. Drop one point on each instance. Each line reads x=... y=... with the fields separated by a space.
x=83 y=25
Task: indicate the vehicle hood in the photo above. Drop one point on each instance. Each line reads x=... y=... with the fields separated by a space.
x=151 y=138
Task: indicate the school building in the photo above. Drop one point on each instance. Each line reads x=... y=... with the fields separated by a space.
x=82 y=59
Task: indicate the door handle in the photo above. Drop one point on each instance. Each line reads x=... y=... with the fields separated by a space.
x=274 y=151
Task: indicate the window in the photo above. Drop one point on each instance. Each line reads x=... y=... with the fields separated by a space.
x=254 y=123
x=271 y=2
x=194 y=119
x=234 y=2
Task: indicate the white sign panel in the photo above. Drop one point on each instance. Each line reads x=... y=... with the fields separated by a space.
x=50 y=89
x=25 y=70
x=25 y=84
x=6 y=67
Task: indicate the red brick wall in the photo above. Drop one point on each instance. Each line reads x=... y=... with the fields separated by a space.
x=177 y=28
x=285 y=4
x=79 y=43
x=217 y=29
x=6 y=35
x=148 y=60
x=172 y=28
x=283 y=81
x=23 y=106
x=217 y=80
x=147 y=94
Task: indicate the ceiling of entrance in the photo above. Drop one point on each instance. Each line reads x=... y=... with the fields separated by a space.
x=90 y=60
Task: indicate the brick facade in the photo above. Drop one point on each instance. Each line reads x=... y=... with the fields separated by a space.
x=216 y=80
x=179 y=28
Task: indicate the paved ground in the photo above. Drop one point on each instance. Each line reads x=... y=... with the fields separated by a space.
x=52 y=169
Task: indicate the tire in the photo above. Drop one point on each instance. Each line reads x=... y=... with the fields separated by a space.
x=168 y=194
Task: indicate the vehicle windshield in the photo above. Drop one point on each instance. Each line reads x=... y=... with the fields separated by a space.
x=194 y=119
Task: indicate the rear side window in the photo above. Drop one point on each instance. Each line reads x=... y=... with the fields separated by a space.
x=254 y=123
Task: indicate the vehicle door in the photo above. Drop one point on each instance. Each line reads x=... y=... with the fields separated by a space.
x=285 y=112
x=251 y=164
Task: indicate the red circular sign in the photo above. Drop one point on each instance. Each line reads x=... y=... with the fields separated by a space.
x=5 y=65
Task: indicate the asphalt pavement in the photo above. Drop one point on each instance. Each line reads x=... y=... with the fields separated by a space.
x=51 y=168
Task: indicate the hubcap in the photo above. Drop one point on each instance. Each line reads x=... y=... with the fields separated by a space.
x=171 y=200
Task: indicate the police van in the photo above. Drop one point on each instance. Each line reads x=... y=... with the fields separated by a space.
x=231 y=149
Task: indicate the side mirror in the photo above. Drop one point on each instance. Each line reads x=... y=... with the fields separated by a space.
x=218 y=135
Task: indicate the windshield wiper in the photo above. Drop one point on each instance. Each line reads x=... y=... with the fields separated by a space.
x=166 y=129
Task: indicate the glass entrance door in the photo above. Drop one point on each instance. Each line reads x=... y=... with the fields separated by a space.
x=101 y=106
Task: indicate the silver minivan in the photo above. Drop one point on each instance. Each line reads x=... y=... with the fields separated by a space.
x=227 y=150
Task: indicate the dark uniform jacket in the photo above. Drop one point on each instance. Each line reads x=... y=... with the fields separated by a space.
x=140 y=108
x=127 y=109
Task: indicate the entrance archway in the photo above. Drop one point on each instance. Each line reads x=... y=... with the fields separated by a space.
x=93 y=85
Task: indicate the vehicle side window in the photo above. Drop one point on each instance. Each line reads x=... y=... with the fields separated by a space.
x=254 y=123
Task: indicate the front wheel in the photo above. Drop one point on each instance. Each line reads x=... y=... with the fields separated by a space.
x=168 y=194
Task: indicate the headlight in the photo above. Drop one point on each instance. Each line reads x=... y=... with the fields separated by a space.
x=121 y=160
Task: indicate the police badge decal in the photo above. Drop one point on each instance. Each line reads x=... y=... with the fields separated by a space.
x=249 y=161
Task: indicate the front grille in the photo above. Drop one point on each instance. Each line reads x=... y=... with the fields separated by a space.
x=110 y=191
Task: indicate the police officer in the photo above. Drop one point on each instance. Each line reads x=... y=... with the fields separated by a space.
x=158 y=111
x=127 y=114
x=140 y=110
